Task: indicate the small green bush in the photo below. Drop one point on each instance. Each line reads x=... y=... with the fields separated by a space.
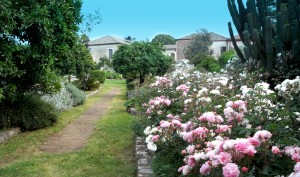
x=29 y=112
x=225 y=57
x=113 y=75
x=77 y=95
x=209 y=64
x=198 y=59
x=92 y=84
x=99 y=75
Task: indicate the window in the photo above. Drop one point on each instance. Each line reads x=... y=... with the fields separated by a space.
x=172 y=55
x=110 y=53
x=223 y=49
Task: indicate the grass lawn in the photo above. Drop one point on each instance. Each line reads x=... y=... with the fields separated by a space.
x=109 y=152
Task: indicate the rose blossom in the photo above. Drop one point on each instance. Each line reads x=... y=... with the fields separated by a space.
x=190 y=149
x=275 y=150
x=224 y=158
x=155 y=138
x=205 y=169
x=231 y=170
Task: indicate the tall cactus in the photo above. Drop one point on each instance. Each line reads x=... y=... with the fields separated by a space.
x=266 y=39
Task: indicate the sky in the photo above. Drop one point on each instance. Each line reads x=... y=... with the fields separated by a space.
x=143 y=19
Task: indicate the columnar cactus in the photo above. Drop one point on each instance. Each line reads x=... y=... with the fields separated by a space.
x=266 y=39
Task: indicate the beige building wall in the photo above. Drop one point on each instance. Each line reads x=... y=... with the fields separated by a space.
x=101 y=51
x=218 y=48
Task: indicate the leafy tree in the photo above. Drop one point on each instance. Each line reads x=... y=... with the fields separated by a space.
x=200 y=43
x=164 y=39
x=129 y=38
x=140 y=59
x=34 y=34
x=90 y=20
x=78 y=61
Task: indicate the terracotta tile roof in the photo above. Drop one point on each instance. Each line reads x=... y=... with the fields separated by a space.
x=108 y=40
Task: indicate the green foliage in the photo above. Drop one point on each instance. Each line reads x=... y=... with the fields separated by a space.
x=113 y=75
x=197 y=58
x=164 y=39
x=77 y=95
x=104 y=64
x=270 y=34
x=78 y=60
x=140 y=59
x=92 y=84
x=199 y=44
x=99 y=75
x=30 y=112
x=49 y=83
x=209 y=64
x=225 y=57
x=34 y=34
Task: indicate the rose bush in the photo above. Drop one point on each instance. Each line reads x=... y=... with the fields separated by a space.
x=222 y=124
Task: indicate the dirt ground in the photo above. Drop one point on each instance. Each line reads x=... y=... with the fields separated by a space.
x=75 y=135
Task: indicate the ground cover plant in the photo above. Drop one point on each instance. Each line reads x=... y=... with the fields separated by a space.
x=221 y=124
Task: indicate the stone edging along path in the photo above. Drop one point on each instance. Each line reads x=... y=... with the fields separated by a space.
x=76 y=134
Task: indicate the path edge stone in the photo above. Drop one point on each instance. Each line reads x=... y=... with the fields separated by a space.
x=7 y=134
x=143 y=157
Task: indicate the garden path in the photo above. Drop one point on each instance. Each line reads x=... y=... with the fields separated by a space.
x=75 y=135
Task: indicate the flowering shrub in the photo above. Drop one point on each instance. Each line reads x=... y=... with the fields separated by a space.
x=223 y=127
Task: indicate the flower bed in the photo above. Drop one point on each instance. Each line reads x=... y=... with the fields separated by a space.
x=221 y=124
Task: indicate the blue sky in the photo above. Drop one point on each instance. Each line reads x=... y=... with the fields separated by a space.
x=143 y=19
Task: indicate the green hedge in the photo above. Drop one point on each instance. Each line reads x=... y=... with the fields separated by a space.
x=29 y=112
x=92 y=84
x=99 y=75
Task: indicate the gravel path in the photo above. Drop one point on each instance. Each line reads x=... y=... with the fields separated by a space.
x=76 y=134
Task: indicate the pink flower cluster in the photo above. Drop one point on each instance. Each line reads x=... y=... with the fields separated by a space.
x=162 y=82
x=185 y=89
x=156 y=103
x=223 y=152
x=234 y=111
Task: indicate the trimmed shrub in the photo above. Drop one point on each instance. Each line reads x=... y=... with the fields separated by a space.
x=92 y=84
x=61 y=100
x=209 y=64
x=77 y=95
x=99 y=75
x=29 y=112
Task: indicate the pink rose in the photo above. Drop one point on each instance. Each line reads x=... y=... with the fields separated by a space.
x=245 y=169
x=190 y=149
x=205 y=169
x=231 y=170
x=297 y=167
x=224 y=158
x=170 y=116
x=254 y=141
x=167 y=102
x=164 y=124
x=191 y=161
x=275 y=150
x=155 y=138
